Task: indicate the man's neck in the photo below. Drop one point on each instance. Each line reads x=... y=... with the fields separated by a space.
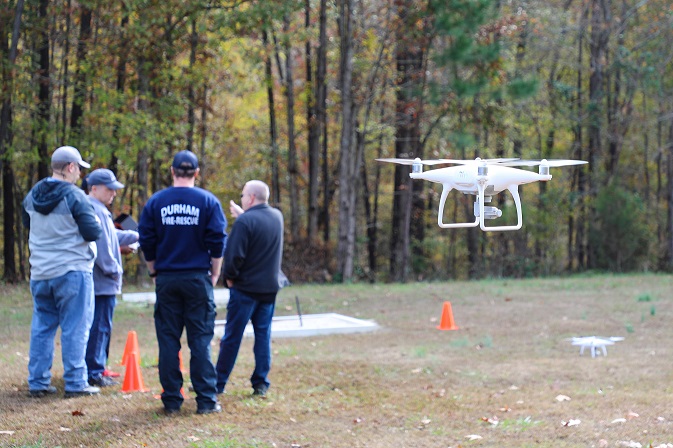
x=183 y=181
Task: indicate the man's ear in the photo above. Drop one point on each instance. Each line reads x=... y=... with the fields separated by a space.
x=196 y=173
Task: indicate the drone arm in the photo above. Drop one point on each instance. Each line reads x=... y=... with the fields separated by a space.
x=514 y=189
x=446 y=188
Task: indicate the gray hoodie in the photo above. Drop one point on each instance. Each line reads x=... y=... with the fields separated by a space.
x=63 y=229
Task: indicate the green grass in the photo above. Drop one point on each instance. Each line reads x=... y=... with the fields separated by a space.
x=407 y=384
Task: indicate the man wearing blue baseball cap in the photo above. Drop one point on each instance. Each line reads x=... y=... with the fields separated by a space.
x=107 y=273
x=182 y=235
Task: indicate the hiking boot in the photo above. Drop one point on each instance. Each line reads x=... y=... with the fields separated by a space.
x=213 y=410
x=89 y=390
x=102 y=381
x=39 y=393
x=171 y=411
x=260 y=391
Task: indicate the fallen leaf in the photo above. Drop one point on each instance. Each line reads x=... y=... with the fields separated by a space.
x=508 y=299
x=426 y=421
x=619 y=420
x=77 y=413
x=602 y=443
x=513 y=387
x=571 y=422
x=193 y=439
x=357 y=420
x=561 y=398
x=288 y=308
x=419 y=370
x=441 y=393
x=65 y=429
x=9 y=433
x=473 y=437
x=492 y=420
x=632 y=415
x=505 y=409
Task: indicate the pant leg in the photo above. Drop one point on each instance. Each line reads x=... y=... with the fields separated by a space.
x=261 y=322
x=169 y=323
x=239 y=311
x=200 y=325
x=73 y=293
x=42 y=332
x=99 y=336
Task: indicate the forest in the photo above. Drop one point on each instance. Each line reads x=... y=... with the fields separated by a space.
x=306 y=94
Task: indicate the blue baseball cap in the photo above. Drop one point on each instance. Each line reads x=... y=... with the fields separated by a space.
x=185 y=160
x=103 y=176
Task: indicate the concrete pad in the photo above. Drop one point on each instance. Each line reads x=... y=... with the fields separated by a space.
x=310 y=325
x=221 y=297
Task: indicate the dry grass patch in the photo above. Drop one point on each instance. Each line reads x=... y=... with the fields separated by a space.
x=497 y=381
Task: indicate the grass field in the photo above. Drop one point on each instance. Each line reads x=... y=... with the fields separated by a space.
x=508 y=377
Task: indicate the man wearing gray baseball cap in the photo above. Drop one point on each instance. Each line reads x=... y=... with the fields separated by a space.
x=62 y=233
x=107 y=273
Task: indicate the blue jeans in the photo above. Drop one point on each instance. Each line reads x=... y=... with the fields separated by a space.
x=185 y=300
x=66 y=301
x=99 y=336
x=241 y=309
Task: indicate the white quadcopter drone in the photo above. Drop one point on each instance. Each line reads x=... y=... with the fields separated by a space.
x=483 y=178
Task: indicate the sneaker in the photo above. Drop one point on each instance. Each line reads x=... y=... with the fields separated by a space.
x=213 y=410
x=39 y=393
x=260 y=391
x=102 y=381
x=89 y=390
x=111 y=374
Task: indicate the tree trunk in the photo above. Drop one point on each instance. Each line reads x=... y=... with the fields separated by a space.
x=79 y=96
x=409 y=57
x=313 y=133
x=321 y=113
x=348 y=152
x=293 y=172
x=600 y=34
x=273 y=128
x=44 y=94
x=191 y=95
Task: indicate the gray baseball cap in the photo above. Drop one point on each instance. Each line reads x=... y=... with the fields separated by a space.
x=68 y=154
x=103 y=176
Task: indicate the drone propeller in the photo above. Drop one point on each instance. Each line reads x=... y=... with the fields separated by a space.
x=447 y=161
x=412 y=161
x=545 y=162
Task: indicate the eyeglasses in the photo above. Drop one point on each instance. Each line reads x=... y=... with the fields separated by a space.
x=246 y=194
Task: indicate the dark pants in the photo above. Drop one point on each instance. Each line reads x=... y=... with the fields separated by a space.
x=185 y=300
x=99 y=336
x=242 y=309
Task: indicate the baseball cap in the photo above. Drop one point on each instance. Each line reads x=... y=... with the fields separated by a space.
x=185 y=160
x=68 y=154
x=103 y=176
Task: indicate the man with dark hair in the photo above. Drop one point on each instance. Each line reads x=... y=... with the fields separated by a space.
x=107 y=273
x=182 y=235
x=63 y=228
x=252 y=262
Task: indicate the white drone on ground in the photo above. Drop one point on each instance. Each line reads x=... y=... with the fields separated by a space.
x=595 y=342
x=483 y=178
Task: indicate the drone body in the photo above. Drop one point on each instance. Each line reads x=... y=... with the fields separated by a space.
x=483 y=179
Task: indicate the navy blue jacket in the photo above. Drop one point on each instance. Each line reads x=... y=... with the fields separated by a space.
x=254 y=252
x=181 y=229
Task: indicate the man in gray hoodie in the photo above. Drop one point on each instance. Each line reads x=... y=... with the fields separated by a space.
x=63 y=230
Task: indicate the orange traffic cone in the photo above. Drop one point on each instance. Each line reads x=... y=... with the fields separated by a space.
x=133 y=378
x=447 y=322
x=131 y=346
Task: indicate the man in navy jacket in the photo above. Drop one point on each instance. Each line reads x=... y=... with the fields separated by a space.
x=252 y=263
x=182 y=235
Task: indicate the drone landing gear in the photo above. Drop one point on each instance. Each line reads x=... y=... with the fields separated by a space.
x=480 y=212
x=493 y=212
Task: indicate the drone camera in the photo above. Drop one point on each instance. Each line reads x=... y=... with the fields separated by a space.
x=417 y=166
x=490 y=212
x=544 y=170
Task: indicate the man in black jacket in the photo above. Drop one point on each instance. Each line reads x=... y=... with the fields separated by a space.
x=252 y=260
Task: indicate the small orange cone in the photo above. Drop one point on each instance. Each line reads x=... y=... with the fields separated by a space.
x=133 y=378
x=447 y=322
x=131 y=346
